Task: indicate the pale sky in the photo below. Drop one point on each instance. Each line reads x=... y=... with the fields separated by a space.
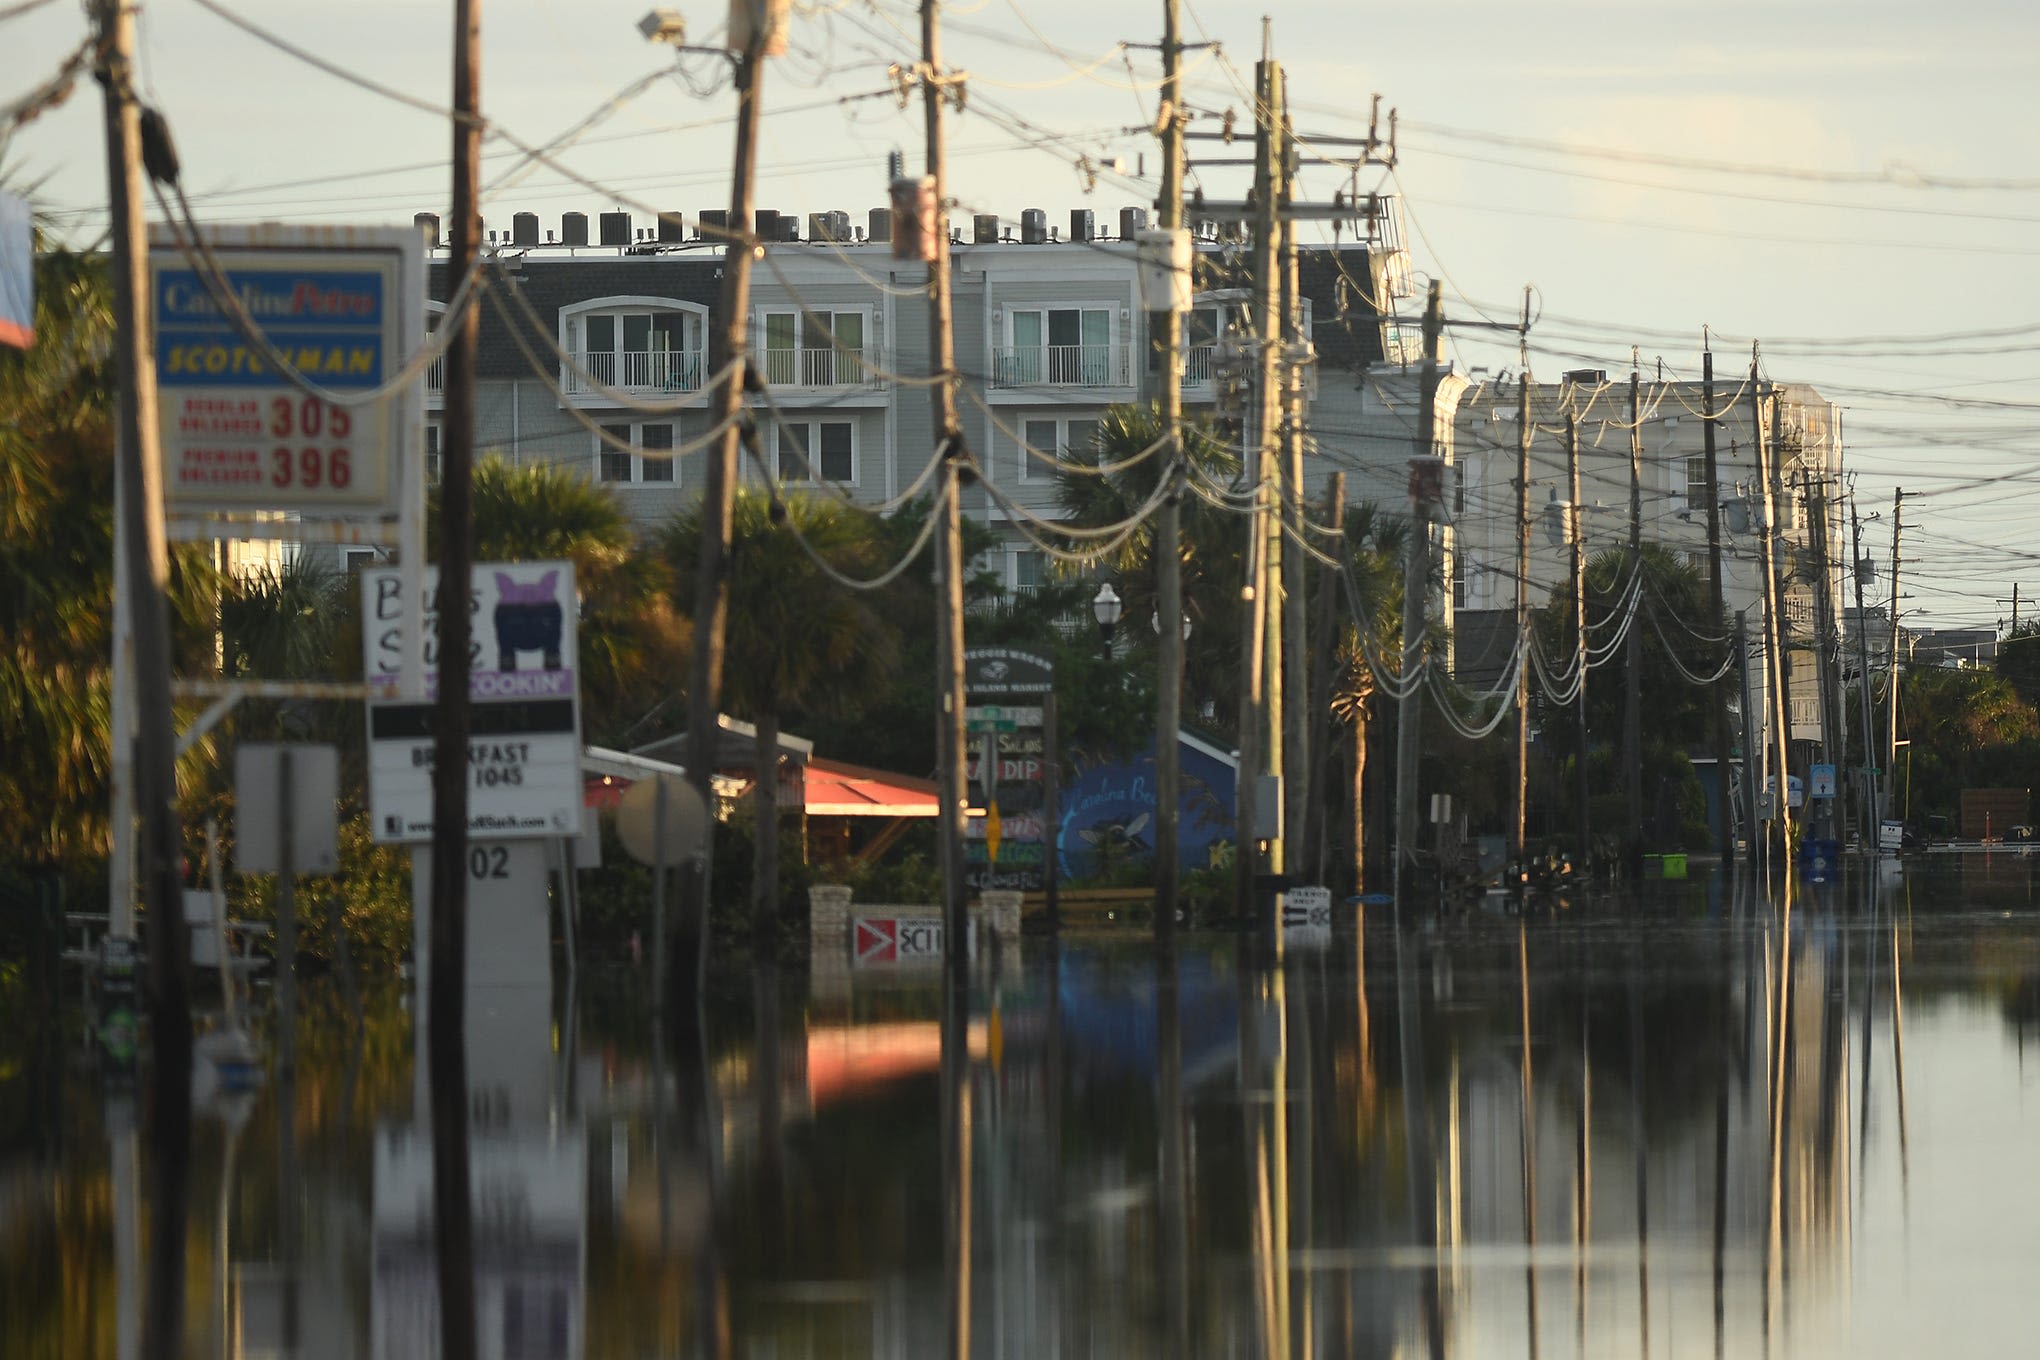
x=1855 y=183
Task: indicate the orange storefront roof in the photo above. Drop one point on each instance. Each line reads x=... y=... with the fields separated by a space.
x=835 y=789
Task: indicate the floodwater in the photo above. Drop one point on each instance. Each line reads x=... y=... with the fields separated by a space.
x=1692 y=1124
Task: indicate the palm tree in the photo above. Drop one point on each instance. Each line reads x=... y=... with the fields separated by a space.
x=797 y=637
x=1369 y=611
x=56 y=569
x=631 y=641
x=1093 y=489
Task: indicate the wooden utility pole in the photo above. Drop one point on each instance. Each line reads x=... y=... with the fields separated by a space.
x=949 y=568
x=139 y=474
x=1293 y=689
x=1169 y=524
x=1312 y=859
x=1779 y=703
x=1833 y=732
x=1725 y=825
x=1519 y=786
x=1416 y=577
x=1753 y=751
x=1891 y=667
x=1873 y=813
x=729 y=360
x=446 y=1024
x=1632 y=649
x=949 y=564
x=1259 y=755
x=1576 y=535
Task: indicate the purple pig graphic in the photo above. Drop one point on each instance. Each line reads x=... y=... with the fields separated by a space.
x=528 y=619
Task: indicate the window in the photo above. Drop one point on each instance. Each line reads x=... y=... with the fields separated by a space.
x=653 y=467
x=642 y=343
x=814 y=349
x=1060 y=346
x=1071 y=438
x=1201 y=327
x=1696 y=483
x=432 y=452
x=1030 y=569
x=823 y=450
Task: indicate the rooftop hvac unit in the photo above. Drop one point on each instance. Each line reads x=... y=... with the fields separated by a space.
x=829 y=226
x=574 y=229
x=984 y=229
x=1033 y=227
x=672 y=228
x=1587 y=377
x=524 y=229
x=768 y=225
x=789 y=228
x=428 y=224
x=1132 y=221
x=715 y=223
x=615 y=228
x=879 y=225
x=1083 y=224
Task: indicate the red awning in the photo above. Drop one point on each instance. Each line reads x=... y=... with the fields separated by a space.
x=835 y=789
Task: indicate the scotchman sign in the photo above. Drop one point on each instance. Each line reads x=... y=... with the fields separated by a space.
x=524 y=737
x=344 y=309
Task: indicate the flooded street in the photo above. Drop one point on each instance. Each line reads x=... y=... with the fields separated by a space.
x=1693 y=1124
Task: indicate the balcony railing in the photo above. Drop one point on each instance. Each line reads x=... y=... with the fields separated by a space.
x=816 y=368
x=1197 y=365
x=658 y=370
x=435 y=375
x=1060 y=366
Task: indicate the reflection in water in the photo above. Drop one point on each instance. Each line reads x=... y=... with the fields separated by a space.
x=1382 y=1145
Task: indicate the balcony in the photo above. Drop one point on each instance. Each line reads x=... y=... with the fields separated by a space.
x=667 y=370
x=1198 y=368
x=816 y=367
x=1060 y=366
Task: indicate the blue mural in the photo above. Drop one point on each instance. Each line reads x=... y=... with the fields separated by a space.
x=1108 y=812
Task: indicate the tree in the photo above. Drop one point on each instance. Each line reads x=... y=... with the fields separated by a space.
x=798 y=635
x=2019 y=663
x=1113 y=482
x=1679 y=641
x=632 y=641
x=1969 y=729
x=1370 y=592
x=56 y=570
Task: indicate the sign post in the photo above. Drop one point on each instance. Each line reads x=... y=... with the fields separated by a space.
x=1010 y=711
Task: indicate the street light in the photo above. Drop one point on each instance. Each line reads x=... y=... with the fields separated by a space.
x=1106 y=607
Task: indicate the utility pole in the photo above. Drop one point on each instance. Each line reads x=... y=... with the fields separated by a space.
x=1519 y=786
x=1891 y=666
x=1259 y=709
x=1424 y=483
x=1576 y=534
x=1299 y=787
x=1632 y=651
x=1312 y=859
x=1169 y=528
x=139 y=476
x=949 y=742
x=1725 y=826
x=1779 y=704
x=729 y=360
x=1753 y=753
x=949 y=565
x=446 y=1013
x=1833 y=732
x=1874 y=814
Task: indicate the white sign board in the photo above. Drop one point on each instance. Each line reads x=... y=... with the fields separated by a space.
x=344 y=307
x=1891 y=836
x=524 y=733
